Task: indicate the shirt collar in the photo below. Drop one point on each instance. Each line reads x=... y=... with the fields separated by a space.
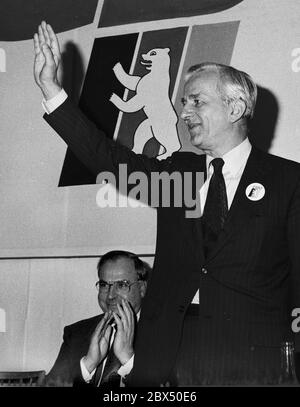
x=234 y=159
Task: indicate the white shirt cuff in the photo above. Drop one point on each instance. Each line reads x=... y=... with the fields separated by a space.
x=123 y=371
x=50 y=105
x=126 y=369
x=86 y=375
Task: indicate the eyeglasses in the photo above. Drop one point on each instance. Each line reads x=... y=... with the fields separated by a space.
x=121 y=286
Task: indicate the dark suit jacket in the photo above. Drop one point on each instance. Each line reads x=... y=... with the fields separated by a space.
x=253 y=275
x=76 y=339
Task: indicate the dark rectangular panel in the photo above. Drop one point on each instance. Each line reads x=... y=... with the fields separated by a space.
x=117 y=12
x=99 y=83
x=20 y=18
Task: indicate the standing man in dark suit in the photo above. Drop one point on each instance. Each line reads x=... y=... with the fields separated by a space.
x=99 y=350
x=219 y=302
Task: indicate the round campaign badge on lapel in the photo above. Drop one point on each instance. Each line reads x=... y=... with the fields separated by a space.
x=255 y=191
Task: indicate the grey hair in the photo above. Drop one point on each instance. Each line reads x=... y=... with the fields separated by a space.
x=233 y=84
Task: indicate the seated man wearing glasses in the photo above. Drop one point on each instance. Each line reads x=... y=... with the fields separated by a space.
x=99 y=351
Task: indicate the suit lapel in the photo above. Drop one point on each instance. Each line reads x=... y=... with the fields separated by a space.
x=196 y=223
x=242 y=207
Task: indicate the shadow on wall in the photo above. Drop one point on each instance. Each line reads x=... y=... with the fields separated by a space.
x=263 y=124
x=73 y=70
x=74 y=172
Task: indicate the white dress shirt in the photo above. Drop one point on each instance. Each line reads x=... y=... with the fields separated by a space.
x=234 y=164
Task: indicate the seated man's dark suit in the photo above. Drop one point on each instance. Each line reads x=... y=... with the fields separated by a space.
x=76 y=339
x=248 y=285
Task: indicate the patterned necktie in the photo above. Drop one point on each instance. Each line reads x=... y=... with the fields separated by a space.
x=110 y=377
x=216 y=206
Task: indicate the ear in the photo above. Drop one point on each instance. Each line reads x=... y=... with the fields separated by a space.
x=143 y=288
x=236 y=110
x=167 y=49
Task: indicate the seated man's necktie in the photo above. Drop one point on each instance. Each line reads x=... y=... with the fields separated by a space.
x=110 y=377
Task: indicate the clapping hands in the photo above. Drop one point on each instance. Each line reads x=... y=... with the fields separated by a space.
x=124 y=320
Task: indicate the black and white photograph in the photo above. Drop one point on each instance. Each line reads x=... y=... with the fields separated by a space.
x=150 y=196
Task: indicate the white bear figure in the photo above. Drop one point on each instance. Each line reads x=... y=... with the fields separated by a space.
x=152 y=95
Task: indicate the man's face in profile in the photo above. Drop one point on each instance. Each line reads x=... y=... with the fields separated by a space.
x=204 y=111
x=118 y=279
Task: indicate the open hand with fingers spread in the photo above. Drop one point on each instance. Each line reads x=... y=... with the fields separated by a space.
x=125 y=324
x=47 y=60
x=99 y=344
